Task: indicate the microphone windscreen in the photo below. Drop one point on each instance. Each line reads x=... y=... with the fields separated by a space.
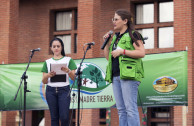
x=110 y=32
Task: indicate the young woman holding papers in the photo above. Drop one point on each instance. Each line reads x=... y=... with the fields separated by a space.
x=56 y=73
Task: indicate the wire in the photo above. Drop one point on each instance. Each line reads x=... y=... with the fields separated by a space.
x=73 y=100
x=20 y=104
x=81 y=110
x=82 y=95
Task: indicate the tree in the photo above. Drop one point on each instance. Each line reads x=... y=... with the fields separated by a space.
x=96 y=76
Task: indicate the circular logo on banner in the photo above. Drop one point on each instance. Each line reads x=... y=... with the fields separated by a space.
x=92 y=79
x=165 y=84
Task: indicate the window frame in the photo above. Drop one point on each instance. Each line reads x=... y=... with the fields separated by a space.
x=156 y=25
x=56 y=20
x=136 y=13
x=102 y=116
x=156 y=120
x=72 y=31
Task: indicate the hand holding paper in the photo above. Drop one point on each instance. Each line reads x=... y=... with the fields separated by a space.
x=52 y=74
x=58 y=68
x=65 y=69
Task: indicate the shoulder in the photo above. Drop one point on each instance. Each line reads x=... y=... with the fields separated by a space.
x=66 y=58
x=126 y=35
x=48 y=60
x=138 y=36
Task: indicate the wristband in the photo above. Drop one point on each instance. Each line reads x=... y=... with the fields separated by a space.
x=124 y=52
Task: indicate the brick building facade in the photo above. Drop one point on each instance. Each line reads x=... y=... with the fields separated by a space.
x=30 y=24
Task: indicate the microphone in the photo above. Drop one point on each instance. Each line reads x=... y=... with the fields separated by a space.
x=38 y=49
x=145 y=38
x=107 y=39
x=91 y=43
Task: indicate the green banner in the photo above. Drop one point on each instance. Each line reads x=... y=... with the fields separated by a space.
x=165 y=84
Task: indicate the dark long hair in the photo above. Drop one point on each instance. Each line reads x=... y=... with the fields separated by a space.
x=124 y=14
x=62 y=45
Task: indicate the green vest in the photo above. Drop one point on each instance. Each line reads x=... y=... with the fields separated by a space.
x=130 y=68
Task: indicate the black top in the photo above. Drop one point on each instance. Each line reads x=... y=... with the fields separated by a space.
x=115 y=61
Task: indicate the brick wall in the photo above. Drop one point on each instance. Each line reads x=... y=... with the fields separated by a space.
x=5 y=18
x=183 y=34
x=8 y=118
x=47 y=118
x=34 y=30
x=114 y=117
x=8 y=35
x=13 y=30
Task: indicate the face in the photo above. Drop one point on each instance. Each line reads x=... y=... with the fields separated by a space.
x=56 y=48
x=118 y=23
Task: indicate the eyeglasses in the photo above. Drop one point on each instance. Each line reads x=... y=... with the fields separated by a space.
x=114 y=19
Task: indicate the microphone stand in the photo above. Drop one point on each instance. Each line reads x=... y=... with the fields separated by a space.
x=78 y=73
x=24 y=77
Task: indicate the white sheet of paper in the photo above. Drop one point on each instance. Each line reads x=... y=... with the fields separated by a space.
x=57 y=68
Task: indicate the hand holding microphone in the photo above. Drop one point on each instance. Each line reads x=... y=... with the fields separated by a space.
x=106 y=39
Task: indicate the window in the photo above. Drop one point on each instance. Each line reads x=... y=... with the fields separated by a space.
x=64 y=25
x=149 y=32
x=63 y=21
x=102 y=115
x=166 y=12
x=75 y=43
x=159 y=124
x=155 y=21
x=67 y=43
x=144 y=13
x=160 y=116
x=166 y=39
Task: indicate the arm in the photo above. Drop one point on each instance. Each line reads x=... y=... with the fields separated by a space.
x=139 y=51
x=46 y=76
x=71 y=73
x=106 y=49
